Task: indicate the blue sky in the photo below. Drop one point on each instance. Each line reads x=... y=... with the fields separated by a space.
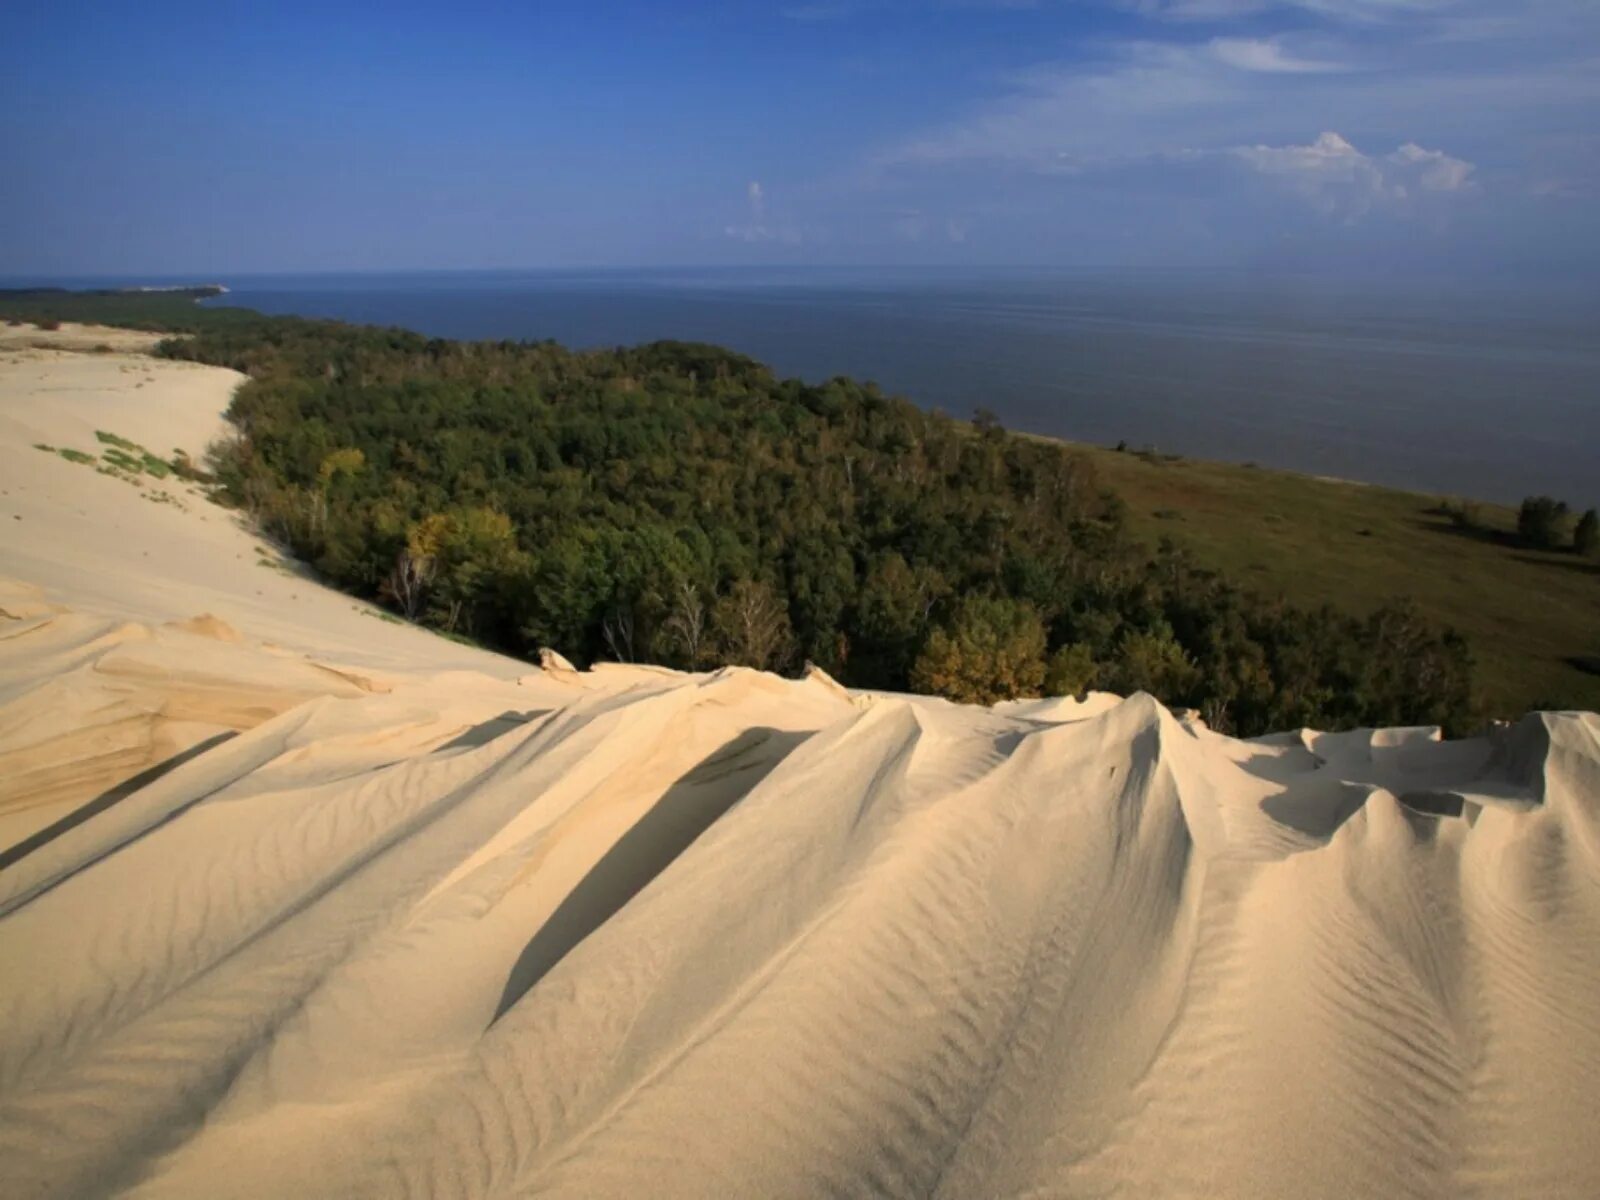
x=1389 y=135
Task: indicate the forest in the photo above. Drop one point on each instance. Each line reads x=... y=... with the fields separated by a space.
x=678 y=503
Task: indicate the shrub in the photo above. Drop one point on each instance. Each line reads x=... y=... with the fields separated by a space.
x=184 y=468
x=1071 y=670
x=991 y=649
x=1463 y=514
x=1540 y=522
x=1153 y=661
x=1586 y=536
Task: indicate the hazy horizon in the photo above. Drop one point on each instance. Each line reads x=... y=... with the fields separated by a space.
x=1483 y=391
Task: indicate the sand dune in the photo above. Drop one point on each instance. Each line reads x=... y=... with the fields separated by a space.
x=399 y=920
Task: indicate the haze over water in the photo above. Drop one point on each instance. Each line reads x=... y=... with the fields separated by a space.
x=1474 y=390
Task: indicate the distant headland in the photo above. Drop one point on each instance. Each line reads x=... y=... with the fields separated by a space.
x=193 y=291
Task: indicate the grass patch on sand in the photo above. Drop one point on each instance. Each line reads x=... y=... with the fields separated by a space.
x=1531 y=616
x=121 y=459
x=130 y=456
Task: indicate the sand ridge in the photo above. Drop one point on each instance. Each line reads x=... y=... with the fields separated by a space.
x=734 y=933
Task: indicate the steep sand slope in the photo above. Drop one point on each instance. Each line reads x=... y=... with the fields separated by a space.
x=157 y=551
x=91 y=692
x=397 y=919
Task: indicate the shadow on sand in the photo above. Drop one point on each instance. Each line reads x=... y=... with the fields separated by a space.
x=686 y=810
x=15 y=854
x=485 y=732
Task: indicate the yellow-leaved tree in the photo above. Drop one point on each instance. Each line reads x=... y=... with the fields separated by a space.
x=991 y=648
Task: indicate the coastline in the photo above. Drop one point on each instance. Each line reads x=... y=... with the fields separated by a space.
x=1242 y=370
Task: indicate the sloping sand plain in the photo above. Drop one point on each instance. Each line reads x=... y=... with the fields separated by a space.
x=380 y=915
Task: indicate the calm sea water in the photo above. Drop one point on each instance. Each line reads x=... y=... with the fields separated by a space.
x=1480 y=390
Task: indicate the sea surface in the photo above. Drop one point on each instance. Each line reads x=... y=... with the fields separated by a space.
x=1477 y=389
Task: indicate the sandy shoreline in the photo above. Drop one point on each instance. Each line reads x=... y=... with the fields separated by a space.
x=385 y=915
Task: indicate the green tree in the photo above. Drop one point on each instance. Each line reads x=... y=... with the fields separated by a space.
x=1540 y=522
x=467 y=552
x=891 y=618
x=1586 y=534
x=1070 y=670
x=992 y=648
x=1153 y=661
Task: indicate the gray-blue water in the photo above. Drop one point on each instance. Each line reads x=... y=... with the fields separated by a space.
x=1474 y=389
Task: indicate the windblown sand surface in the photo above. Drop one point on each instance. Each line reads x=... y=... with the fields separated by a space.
x=398 y=919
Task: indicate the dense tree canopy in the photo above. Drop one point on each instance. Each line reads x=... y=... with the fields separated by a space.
x=678 y=503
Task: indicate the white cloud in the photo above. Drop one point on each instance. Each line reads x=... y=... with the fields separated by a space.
x=1435 y=170
x=1211 y=130
x=1340 y=181
x=1365 y=11
x=1198 y=10
x=1267 y=55
x=756 y=227
x=1143 y=99
x=1371 y=10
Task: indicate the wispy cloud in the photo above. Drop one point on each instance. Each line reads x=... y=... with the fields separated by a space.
x=1366 y=11
x=1443 y=131
x=1196 y=124
x=1198 y=10
x=1150 y=96
x=757 y=227
x=1268 y=55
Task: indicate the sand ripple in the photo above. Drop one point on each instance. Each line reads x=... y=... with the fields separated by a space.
x=632 y=933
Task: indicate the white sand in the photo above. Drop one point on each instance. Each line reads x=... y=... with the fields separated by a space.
x=419 y=921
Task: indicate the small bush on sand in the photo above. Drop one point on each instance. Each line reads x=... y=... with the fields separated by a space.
x=184 y=468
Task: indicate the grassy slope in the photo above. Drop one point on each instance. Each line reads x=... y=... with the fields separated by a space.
x=1316 y=540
